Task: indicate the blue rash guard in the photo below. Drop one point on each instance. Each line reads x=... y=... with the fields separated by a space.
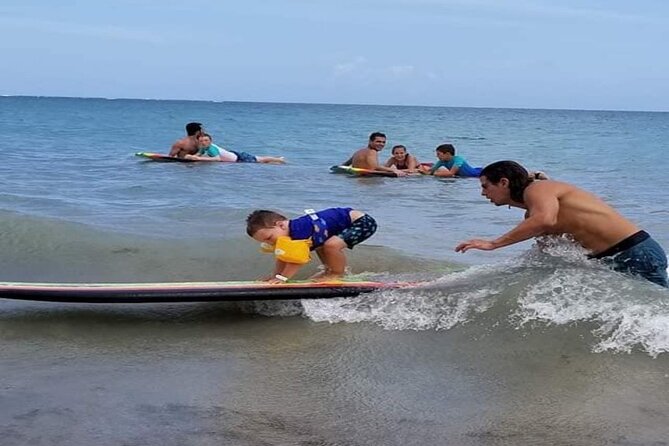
x=464 y=169
x=331 y=221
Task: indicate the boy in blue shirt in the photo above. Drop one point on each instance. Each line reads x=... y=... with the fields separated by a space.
x=450 y=165
x=330 y=231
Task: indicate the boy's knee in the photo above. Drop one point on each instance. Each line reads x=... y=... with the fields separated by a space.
x=334 y=243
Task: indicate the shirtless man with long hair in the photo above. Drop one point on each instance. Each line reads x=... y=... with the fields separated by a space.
x=557 y=208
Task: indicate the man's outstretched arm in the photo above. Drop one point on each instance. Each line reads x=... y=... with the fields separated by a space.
x=541 y=217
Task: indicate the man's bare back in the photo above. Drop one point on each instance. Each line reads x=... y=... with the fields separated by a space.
x=185 y=146
x=591 y=222
x=365 y=158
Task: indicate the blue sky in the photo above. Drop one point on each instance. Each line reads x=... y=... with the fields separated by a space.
x=480 y=53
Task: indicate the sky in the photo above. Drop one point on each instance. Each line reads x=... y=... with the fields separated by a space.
x=568 y=54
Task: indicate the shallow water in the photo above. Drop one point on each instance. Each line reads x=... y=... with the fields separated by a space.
x=517 y=346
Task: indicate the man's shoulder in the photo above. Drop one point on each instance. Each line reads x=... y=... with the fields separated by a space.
x=180 y=142
x=548 y=187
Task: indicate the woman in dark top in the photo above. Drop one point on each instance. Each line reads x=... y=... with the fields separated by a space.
x=402 y=160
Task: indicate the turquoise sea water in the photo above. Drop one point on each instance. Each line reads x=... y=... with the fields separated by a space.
x=76 y=205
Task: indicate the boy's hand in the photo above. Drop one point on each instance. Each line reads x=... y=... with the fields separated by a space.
x=276 y=278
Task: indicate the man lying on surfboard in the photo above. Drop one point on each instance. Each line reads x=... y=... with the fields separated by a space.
x=188 y=145
x=328 y=231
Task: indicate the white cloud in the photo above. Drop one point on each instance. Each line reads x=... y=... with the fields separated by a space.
x=400 y=71
x=352 y=68
x=362 y=70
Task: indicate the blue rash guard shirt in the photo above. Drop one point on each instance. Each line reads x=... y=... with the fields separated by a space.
x=464 y=169
x=335 y=221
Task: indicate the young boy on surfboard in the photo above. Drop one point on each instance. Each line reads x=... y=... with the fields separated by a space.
x=450 y=164
x=329 y=232
x=208 y=151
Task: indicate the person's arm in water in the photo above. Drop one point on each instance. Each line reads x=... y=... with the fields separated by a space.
x=203 y=158
x=445 y=172
x=348 y=162
x=211 y=153
x=543 y=207
x=176 y=148
x=373 y=162
x=390 y=162
x=412 y=163
x=430 y=170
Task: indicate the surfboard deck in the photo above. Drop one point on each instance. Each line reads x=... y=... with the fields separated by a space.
x=163 y=158
x=356 y=171
x=187 y=291
x=361 y=172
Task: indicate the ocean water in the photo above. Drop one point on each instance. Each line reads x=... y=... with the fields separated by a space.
x=517 y=346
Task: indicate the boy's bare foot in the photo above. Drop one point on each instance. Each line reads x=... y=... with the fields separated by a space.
x=271 y=159
x=326 y=277
x=330 y=278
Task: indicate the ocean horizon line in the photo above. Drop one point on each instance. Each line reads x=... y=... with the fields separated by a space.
x=215 y=101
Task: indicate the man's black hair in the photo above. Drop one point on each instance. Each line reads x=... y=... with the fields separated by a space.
x=192 y=128
x=375 y=135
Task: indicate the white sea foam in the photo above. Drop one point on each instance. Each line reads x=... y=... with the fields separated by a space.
x=441 y=304
x=554 y=285
x=628 y=312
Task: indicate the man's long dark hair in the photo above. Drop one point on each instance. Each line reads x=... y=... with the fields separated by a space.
x=517 y=175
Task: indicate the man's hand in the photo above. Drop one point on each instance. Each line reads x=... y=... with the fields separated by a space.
x=483 y=245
